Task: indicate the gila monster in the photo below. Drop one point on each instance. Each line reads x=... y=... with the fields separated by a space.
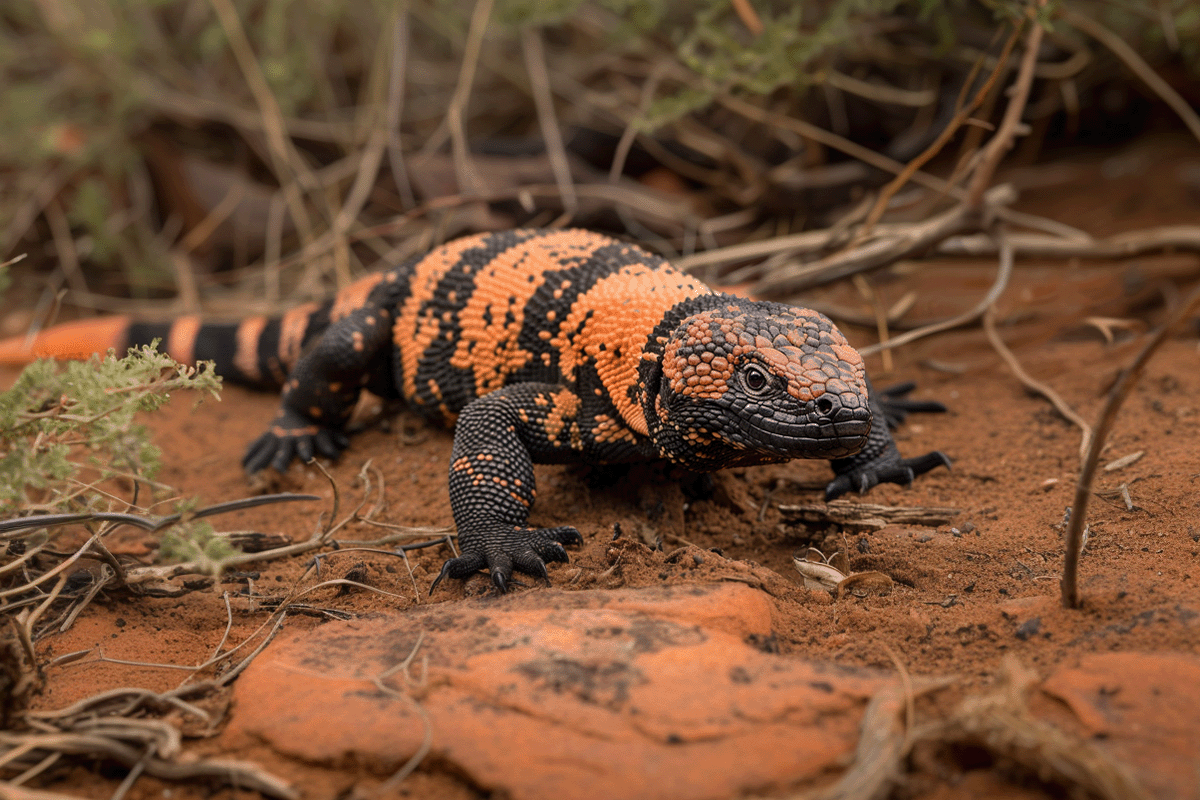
x=546 y=346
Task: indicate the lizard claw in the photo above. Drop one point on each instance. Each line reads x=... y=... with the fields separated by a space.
x=504 y=550
x=292 y=436
x=896 y=405
x=899 y=470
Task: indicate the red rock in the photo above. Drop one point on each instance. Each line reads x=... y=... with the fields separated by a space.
x=1144 y=708
x=649 y=693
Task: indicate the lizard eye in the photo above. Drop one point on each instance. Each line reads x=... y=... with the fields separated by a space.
x=755 y=379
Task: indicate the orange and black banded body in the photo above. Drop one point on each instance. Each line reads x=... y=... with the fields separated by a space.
x=553 y=346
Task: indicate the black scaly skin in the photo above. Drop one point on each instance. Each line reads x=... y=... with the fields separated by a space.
x=566 y=346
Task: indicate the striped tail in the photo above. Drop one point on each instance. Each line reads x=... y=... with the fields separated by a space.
x=258 y=351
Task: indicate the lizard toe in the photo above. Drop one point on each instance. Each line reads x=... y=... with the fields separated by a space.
x=838 y=486
x=505 y=549
x=901 y=471
x=553 y=551
x=461 y=567
x=564 y=534
x=285 y=451
x=259 y=454
x=922 y=464
x=531 y=564
x=327 y=444
x=304 y=449
x=500 y=581
x=896 y=405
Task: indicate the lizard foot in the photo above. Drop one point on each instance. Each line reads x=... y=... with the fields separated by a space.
x=292 y=436
x=896 y=405
x=506 y=548
x=885 y=470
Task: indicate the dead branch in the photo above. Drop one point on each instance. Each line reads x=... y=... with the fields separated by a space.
x=882 y=251
x=1002 y=141
x=1166 y=238
x=1087 y=472
x=883 y=745
x=867 y=516
x=289 y=168
x=1000 y=722
x=943 y=137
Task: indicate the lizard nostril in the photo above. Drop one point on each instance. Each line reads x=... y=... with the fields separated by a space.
x=825 y=405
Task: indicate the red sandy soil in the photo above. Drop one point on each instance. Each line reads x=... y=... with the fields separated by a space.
x=967 y=595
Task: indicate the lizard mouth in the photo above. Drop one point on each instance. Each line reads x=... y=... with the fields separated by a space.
x=837 y=435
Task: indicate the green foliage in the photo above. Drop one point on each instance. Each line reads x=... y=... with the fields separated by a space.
x=59 y=419
x=727 y=58
x=196 y=542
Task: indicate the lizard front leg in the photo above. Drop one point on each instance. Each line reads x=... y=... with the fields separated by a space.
x=323 y=388
x=497 y=439
x=879 y=461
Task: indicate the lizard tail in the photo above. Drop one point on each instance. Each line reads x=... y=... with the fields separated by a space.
x=257 y=351
x=70 y=340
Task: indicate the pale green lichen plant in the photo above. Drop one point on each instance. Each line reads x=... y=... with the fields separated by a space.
x=725 y=58
x=63 y=419
x=195 y=542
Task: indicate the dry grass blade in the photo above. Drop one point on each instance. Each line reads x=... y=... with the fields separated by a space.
x=1003 y=139
x=539 y=81
x=830 y=139
x=286 y=162
x=395 y=106
x=386 y=788
x=468 y=176
x=748 y=16
x=145 y=521
x=15 y=792
x=1137 y=65
x=1087 y=472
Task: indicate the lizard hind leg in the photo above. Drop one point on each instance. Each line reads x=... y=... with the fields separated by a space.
x=323 y=388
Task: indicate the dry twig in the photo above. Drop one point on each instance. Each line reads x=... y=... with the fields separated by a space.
x=1003 y=274
x=1003 y=139
x=1087 y=472
x=883 y=251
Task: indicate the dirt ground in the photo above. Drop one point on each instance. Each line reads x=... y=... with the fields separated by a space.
x=968 y=593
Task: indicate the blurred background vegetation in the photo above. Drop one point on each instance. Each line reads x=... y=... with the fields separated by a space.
x=224 y=154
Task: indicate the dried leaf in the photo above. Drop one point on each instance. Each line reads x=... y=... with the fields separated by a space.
x=862 y=584
x=818 y=576
x=1123 y=461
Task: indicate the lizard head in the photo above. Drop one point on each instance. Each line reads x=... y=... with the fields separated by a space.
x=754 y=383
